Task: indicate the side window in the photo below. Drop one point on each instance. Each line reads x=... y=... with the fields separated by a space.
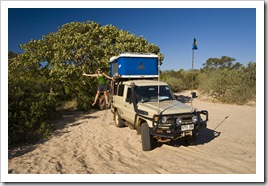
x=129 y=93
x=114 y=90
x=121 y=90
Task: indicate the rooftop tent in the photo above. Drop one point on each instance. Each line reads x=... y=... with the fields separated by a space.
x=134 y=65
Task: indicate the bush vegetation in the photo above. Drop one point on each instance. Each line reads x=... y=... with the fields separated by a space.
x=220 y=78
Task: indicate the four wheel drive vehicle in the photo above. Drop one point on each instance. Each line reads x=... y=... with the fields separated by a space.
x=150 y=107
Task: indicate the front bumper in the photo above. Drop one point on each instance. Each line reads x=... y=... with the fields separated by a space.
x=186 y=128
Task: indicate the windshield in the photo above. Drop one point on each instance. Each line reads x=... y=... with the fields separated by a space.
x=149 y=93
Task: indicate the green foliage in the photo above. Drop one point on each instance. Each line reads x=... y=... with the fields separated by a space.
x=221 y=79
x=236 y=86
x=180 y=80
x=175 y=84
x=49 y=73
x=79 y=48
x=221 y=63
x=11 y=54
x=30 y=104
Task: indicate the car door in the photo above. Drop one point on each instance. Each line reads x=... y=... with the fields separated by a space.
x=118 y=98
x=129 y=112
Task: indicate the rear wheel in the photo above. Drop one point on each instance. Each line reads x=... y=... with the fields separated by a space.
x=146 y=137
x=118 y=121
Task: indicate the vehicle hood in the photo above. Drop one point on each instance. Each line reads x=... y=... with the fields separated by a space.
x=169 y=107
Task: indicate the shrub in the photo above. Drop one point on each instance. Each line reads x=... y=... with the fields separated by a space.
x=30 y=107
x=175 y=84
x=228 y=85
x=180 y=80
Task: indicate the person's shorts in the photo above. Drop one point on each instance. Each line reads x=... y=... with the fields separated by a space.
x=102 y=87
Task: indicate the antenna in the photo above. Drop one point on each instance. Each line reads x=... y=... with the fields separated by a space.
x=192 y=78
x=194 y=47
x=158 y=93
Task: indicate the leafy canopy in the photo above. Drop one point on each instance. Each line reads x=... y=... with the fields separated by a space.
x=220 y=63
x=50 y=70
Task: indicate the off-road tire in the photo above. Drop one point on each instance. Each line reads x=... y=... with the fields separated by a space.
x=117 y=120
x=146 y=137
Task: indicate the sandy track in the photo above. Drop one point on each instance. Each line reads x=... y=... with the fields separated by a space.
x=91 y=144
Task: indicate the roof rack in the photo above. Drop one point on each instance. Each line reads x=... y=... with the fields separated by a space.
x=133 y=54
x=134 y=65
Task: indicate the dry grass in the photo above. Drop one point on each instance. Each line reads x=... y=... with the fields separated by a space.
x=69 y=105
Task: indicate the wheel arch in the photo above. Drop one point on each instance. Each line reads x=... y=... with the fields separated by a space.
x=140 y=120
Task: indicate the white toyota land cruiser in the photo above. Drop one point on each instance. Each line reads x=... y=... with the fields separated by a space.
x=150 y=107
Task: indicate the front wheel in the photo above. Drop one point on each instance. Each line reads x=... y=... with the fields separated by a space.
x=146 y=137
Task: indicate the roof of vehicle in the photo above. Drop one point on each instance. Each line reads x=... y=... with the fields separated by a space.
x=144 y=82
x=129 y=54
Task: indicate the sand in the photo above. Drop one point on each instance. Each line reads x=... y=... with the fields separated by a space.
x=89 y=143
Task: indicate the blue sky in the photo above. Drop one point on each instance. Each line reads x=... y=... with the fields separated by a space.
x=219 y=31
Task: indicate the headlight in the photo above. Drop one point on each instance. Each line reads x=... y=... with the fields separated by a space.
x=164 y=119
x=194 y=119
x=178 y=121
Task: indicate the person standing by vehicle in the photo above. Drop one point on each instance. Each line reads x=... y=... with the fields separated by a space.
x=102 y=85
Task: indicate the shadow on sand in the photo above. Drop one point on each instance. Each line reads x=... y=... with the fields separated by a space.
x=65 y=119
x=205 y=136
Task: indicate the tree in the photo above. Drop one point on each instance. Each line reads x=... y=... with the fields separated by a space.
x=50 y=70
x=11 y=54
x=82 y=47
x=221 y=63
